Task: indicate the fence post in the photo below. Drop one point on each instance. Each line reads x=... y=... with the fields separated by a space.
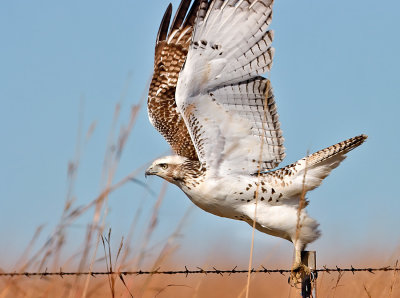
x=308 y=283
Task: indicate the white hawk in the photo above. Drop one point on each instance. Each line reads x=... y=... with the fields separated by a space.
x=210 y=103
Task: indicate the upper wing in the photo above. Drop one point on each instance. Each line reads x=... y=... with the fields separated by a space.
x=229 y=109
x=170 y=54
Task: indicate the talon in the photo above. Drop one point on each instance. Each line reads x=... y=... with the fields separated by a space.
x=298 y=272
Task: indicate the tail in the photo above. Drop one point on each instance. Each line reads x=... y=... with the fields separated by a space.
x=309 y=172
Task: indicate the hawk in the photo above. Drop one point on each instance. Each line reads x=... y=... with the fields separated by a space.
x=209 y=101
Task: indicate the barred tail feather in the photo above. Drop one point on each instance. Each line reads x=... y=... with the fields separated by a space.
x=320 y=164
x=339 y=149
x=316 y=166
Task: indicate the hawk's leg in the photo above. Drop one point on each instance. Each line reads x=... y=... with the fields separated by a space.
x=299 y=270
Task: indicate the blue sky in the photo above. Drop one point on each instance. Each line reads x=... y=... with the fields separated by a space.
x=335 y=75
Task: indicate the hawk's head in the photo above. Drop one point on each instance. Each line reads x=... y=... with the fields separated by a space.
x=169 y=167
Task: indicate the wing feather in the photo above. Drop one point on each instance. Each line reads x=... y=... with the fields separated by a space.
x=180 y=15
x=172 y=45
x=236 y=127
x=163 y=30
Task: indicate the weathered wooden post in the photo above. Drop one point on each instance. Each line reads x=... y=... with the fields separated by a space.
x=308 y=283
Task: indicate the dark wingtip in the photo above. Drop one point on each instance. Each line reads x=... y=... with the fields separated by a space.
x=180 y=14
x=191 y=17
x=163 y=30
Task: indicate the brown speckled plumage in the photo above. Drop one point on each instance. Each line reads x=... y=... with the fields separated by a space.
x=170 y=55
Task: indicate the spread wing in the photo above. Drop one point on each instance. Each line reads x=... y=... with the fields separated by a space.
x=229 y=109
x=170 y=54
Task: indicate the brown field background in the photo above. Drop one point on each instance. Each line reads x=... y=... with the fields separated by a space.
x=120 y=255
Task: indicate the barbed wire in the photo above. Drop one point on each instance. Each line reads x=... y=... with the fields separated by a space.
x=196 y=271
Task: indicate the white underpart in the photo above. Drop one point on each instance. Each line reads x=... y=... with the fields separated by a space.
x=222 y=197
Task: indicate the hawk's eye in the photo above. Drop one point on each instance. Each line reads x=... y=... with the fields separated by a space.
x=163 y=166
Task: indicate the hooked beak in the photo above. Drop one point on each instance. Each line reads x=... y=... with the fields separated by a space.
x=149 y=172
